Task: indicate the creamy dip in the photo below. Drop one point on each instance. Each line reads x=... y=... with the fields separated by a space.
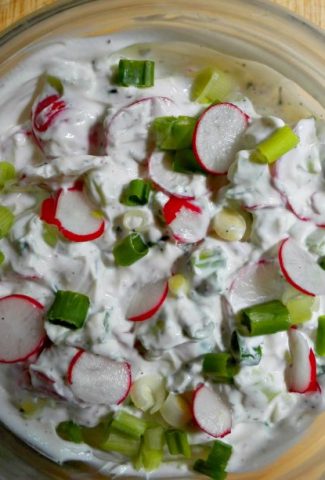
x=87 y=141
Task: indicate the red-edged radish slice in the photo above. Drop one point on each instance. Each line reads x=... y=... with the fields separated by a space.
x=99 y=380
x=217 y=136
x=128 y=129
x=46 y=111
x=147 y=301
x=22 y=331
x=256 y=283
x=72 y=213
x=300 y=269
x=301 y=374
x=187 y=220
x=210 y=412
x=178 y=184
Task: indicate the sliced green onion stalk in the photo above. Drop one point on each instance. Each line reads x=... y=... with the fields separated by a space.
x=204 y=468
x=6 y=221
x=301 y=308
x=184 y=161
x=7 y=173
x=69 y=309
x=264 y=319
x=173 y=133
x=129 y=424
x=215 y=465
x=97 y=436
x=277 y=144
x=50 y=234
x=55 y=83
x=222 y=367
x=129 y=250
x=321 y=262
x=211 y=85
x=121 y=443
x=70 y=431
x=150 y=453
x=242 y=352
x=177 y=442
x=136 y=193
x=138 y=73
x=2 y=257
x=320 y=336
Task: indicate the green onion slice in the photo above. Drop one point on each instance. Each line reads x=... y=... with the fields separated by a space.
x=321 y=262
x=222 y=367
x=136 y=193
x=242 y=352
x=69 y=309
x=2 y=257
x=6 y=221
x=177 y=442
x=215 y=465
x=121 y=443
x=263 y=319
x=70 y=431
x=184 y=161
x=138 y=73
x=55 y=83
x=320 y=336
x=277 y=144
x=7 y=173
x=129 y=250
x=129 y=424
x=211 y=85
x=50 y=234
x=173 y=133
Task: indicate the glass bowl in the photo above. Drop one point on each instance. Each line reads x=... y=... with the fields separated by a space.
x=250 y=29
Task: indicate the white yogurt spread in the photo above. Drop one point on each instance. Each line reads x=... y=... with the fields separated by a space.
x=101 y=136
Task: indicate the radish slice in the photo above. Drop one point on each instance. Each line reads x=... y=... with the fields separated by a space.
x=46 y=111
x=187 y=220
x=71 y=212
x=127 y=130
x=217 y=135
x=175 y=183
x=147 y=301
x=256 y=283
x=22 y=331
x=99 y=380
x=211 y=414
x=301 y=375
x=300 y=269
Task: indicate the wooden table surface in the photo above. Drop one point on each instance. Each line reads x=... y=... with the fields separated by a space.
x=12 y=10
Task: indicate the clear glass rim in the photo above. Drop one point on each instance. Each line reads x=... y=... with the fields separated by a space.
x=63 y=5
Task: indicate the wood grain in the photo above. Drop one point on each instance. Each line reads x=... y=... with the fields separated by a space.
x=13 y=10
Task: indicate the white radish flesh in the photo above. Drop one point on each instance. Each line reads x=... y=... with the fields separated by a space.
x=301 y=374
x=127 y=130
x=147 y=301
x=175 y=183
x=22 y=331
x=256 y=283
x=217 y=136
x=98 y=380
x=300 y=269
x=211 y=414
x=187 y=221
x=73 y=214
